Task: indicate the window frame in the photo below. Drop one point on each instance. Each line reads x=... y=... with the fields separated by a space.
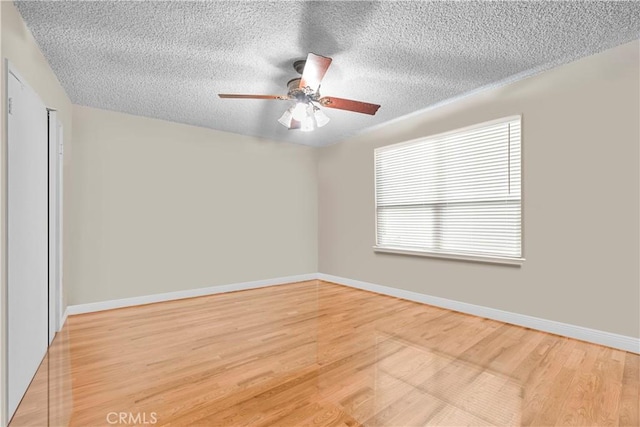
x=496 y=259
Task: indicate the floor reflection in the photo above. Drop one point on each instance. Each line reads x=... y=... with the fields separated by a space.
x=34 y=407
x=48 y=400
x=314 y=353
x=438 y=389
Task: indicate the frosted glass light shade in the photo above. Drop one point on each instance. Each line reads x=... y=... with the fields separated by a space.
x=285 y=120
x=321 y=117
x=308 y=124
x=300 y=111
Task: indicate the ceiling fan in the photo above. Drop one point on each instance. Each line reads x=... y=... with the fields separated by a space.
x=304 y=91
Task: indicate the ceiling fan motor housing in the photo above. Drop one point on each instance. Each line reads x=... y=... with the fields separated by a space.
x=298 y=94
x=293 y=84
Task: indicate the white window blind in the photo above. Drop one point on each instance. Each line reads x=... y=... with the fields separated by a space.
x=457 y=193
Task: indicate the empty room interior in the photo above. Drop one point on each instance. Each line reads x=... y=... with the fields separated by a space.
x=320 y=213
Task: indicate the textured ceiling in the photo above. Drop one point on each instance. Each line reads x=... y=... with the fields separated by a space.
x=169 y=59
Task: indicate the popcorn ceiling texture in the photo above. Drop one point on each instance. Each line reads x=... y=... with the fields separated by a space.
x=168 y=60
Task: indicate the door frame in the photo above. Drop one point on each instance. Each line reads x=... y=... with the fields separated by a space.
x=55 y=153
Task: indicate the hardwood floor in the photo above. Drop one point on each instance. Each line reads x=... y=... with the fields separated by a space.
x=320 y=354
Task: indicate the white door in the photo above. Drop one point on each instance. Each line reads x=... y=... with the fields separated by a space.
x=55 y=224
x=27 y=237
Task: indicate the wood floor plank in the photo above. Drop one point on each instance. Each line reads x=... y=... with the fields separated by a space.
x=319 y=354
x=629 y=413
x=542 y=380
x=579 y=407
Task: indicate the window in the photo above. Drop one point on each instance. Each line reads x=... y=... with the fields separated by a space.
x=456 y=194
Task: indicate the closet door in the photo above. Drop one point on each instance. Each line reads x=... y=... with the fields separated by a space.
x=27 y=237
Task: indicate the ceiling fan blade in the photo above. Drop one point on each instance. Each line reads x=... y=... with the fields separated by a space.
x=349 y=105
x=314 y=70
x=236 y=96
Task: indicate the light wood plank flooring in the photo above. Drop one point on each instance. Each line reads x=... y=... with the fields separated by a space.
x=319 y=354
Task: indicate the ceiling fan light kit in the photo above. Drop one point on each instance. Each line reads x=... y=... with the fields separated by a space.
x=305 y=114
x=306 y=117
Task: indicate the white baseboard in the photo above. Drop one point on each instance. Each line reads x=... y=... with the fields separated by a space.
x=148 y=299
x=608 y=339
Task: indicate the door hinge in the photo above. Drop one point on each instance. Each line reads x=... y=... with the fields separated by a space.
x=9 y=104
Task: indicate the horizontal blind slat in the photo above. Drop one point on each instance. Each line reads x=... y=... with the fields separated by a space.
x=457 y=193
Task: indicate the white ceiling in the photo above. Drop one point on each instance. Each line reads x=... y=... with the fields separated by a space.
x=168 y=60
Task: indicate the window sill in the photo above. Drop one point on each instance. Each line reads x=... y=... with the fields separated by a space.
x=473 y=258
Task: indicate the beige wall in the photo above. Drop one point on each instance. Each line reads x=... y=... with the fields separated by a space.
x=18 y=46
x=581 y=199
x=156 y=206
